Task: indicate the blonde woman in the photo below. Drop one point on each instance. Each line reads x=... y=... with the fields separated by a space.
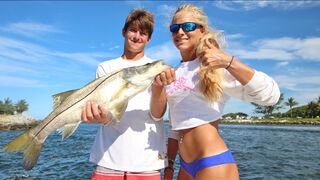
x=206 y=78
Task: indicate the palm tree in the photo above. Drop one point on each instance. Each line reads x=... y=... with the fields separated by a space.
x=268 y=110
x=7 y=107
x=21 y=106
x=312 y=108
x=291 y=102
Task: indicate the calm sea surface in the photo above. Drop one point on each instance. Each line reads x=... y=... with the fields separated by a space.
x=262 y=152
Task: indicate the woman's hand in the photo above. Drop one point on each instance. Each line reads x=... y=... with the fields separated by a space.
x=166 y=77
x=214 y=57
x=168 y=173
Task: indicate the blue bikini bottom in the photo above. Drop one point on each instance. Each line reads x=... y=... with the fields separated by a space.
x=195 y=166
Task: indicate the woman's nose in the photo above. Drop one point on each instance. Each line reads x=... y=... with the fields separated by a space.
x=180 y=31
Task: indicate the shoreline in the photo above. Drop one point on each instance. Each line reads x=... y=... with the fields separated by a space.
x=23 y=122
x=315 y=122
x=17 y=122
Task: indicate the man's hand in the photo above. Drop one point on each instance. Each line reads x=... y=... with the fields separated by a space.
x=94 y=113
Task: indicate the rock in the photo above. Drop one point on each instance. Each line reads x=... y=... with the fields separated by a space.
x=17 y=122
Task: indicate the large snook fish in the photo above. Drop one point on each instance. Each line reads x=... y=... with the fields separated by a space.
x=114 y=90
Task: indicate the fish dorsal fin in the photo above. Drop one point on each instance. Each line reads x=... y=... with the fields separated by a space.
x=60 y=97
x=120 y=108
x=68 y=130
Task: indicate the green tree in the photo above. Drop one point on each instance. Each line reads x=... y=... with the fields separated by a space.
x=313 y=109
x=7 y=107
x=21 y=106
x=1 y=107
x=241 y=114
x=235 y=115
x=318 y=108
x=291 y=102
x=299 y=111
x=268 y=110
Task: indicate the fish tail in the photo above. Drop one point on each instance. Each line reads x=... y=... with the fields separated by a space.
x=30 y=148
x=31 y=155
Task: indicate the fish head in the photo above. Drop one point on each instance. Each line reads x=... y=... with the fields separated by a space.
x=145 y=73
x=152 y=69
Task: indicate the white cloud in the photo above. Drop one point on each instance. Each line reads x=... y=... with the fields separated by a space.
x=30 y=29
x=293 y=85
x=10 y=81
x=30 y=52
x=166 y=11
x=309 y=49
x=235 y=36
x=21 y=50
x=290 y=82
x=37 y=63
x=84 y=58
x=224 y=5
x=282 y=64
x=272 y=54
x=282 y=49
x=113 y=48
x=166 y=51
x=9 y=67
x=237 y=5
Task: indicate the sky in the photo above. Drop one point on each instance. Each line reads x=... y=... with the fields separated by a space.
x=47 y=47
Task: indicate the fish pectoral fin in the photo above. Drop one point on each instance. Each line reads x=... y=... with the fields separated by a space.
x=60 y=97
x=68 y=130
x=120 y=109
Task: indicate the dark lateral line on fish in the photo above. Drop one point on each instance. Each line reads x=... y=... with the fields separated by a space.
x=76 y=102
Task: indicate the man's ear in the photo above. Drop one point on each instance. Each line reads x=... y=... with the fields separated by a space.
x=124 y=32
x=149 y=38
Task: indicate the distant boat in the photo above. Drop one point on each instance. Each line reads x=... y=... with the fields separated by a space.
x=17 y=122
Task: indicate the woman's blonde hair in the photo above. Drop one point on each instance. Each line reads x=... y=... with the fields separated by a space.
x=210 y=79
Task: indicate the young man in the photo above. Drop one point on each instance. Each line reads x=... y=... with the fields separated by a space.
x=135 y=147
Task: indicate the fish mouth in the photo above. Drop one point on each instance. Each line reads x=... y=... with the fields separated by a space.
x=161 y=64
x=158 y=64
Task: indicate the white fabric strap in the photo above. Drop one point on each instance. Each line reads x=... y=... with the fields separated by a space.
x=173 y=134
x=154 y=118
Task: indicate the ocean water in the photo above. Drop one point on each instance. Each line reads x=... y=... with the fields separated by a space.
x=261 y=151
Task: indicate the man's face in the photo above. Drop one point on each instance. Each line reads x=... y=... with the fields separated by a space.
x=135 y=39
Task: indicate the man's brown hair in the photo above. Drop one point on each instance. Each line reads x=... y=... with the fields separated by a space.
x=141 y=18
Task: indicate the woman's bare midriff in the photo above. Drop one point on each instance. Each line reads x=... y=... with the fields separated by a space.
x=201 y=141
x=204 y=141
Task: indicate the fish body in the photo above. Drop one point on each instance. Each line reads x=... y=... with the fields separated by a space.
x=113 y=90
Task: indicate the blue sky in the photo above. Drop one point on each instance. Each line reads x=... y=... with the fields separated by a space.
x=50 y=47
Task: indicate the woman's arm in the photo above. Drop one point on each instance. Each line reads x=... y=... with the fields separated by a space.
x=158 y=102
x=158 y=98
x=241 y=81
